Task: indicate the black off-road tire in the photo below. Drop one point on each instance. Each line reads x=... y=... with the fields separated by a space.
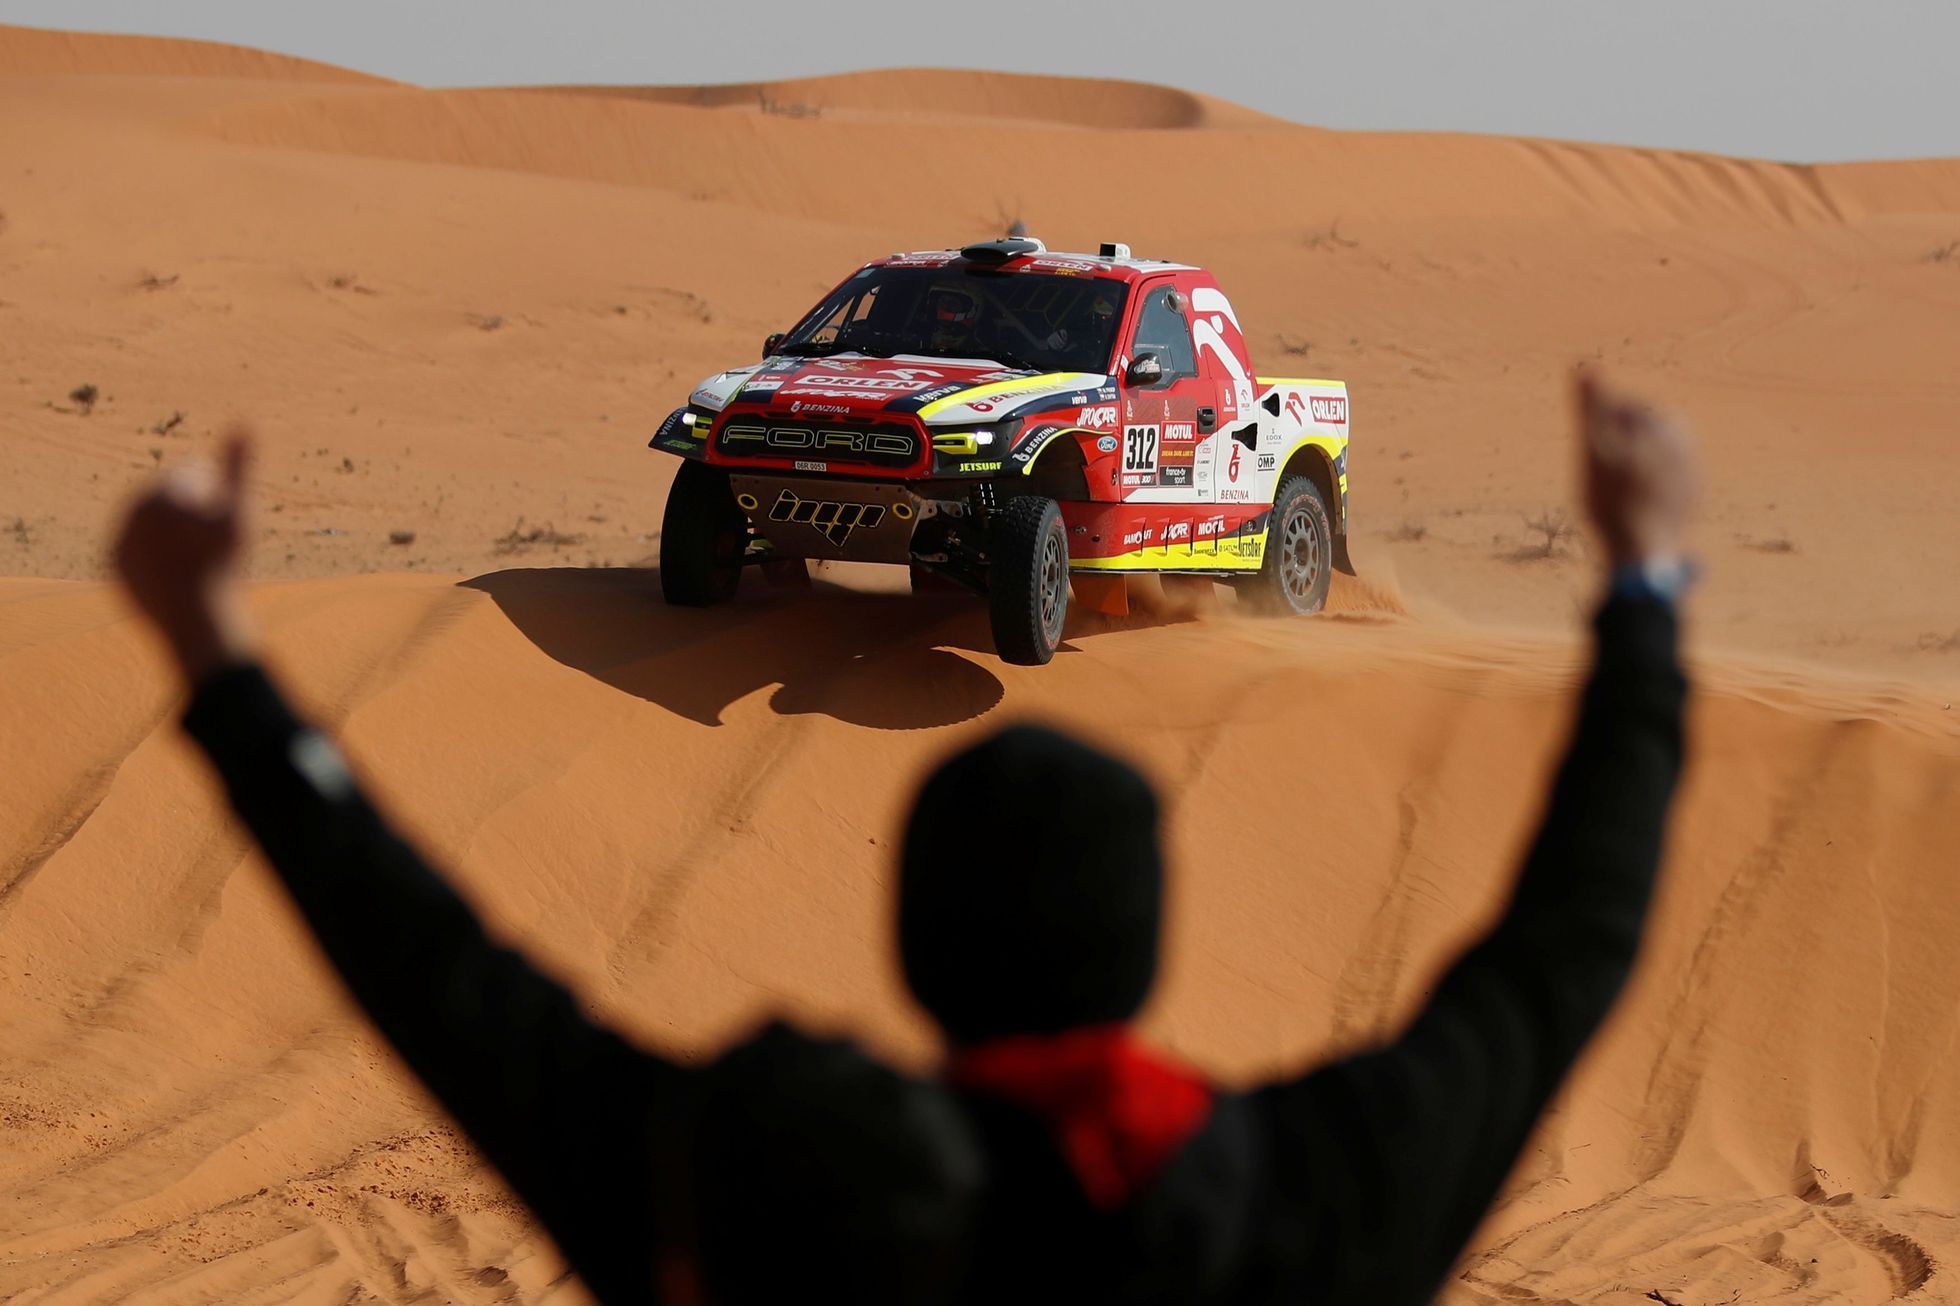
x=1027 y=580
x=1299 y=561
x=702 y=538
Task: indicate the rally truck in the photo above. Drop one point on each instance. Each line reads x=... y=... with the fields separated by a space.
x=1019 y=423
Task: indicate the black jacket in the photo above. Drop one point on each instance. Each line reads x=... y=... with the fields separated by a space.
x=794 y=1165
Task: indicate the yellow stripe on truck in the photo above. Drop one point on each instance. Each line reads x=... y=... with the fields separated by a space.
x=1172 y=559
x=1030 y=385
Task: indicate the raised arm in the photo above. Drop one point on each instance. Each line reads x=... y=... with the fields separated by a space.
x=1392 y=1157
x=565 y=1110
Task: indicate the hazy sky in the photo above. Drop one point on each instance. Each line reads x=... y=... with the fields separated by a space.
x=1785 y=79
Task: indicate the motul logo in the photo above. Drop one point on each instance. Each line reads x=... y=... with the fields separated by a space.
x=1327 y=409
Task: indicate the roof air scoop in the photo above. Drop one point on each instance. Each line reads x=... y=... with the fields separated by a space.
x=1000 y=251
x=1115 y=249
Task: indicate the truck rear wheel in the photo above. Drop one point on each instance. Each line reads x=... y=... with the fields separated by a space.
x=1299 y=560
x=702 y=538
x=1027 y=580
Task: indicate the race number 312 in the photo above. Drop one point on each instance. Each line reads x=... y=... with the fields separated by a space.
x=1140 y=449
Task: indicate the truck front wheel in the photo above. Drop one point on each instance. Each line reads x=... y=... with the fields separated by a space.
x=702 y=538
x=1298 y=564
x=1027 y=579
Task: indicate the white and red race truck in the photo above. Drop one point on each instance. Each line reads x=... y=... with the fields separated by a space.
x=1021 y=423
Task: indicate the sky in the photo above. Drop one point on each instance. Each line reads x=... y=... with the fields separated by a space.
x=1796 y=80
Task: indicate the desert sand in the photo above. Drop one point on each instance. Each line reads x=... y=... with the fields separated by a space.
x=459 y=314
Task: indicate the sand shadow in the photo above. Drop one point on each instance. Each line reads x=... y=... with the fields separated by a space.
x=885 y=661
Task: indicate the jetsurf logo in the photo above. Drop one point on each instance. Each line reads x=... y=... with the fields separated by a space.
x=830 y=518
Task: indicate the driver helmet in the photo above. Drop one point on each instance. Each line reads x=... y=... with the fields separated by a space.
x=1101 y=308
x=953 y=310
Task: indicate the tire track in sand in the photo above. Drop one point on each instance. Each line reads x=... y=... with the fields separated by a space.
x=1674 y=1082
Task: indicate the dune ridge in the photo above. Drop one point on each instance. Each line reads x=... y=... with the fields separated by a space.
x=948 y=94
x=41 y=52
x=457 y=315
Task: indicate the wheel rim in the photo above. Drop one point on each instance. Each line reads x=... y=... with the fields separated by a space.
x=1300 y=555
x=1054 y=588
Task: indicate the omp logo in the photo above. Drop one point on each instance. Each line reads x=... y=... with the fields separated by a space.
x=834 y=521
x=739 y=437
x=1097 y=419
x=1329 y=409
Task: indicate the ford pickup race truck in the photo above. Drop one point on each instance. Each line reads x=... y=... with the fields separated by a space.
x=1018 y=422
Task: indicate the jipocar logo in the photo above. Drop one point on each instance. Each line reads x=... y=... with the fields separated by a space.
x=1328 y=408
x=834 y=521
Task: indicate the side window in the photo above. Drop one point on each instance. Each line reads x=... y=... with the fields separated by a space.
x=1162 y=330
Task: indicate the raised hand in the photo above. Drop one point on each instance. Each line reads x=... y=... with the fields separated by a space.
x=177 y=553
x=1640 y=477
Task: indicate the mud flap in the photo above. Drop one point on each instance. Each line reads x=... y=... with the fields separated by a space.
x=787 y=573
x=1109 y=595
x=1342 y=562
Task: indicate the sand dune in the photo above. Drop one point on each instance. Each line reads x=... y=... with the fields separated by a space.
x=459 y=313
x=1779 y=1079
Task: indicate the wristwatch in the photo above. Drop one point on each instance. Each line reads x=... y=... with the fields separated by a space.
x=1664 y=578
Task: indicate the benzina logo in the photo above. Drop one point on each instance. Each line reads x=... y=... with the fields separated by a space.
x=743 y=438
x=1329 y=409
x=834 y=521
x=1097 y=419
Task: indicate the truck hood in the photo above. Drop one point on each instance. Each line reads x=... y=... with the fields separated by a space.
x=938 y=391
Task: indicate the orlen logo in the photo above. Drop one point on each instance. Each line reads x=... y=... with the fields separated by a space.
x=1097 y=419
x=1329 y=409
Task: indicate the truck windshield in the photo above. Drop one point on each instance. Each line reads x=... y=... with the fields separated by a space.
x=1020 y=319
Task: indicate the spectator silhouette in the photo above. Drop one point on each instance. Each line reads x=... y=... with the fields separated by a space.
x=1056 y=1158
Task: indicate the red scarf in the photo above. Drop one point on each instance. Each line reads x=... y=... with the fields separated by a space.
x=1118 y=1110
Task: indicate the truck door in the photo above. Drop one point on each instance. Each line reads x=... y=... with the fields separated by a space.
x=1166 y=426
x=1241 y=450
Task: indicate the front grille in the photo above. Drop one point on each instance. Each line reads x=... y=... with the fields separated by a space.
x=882 y=446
